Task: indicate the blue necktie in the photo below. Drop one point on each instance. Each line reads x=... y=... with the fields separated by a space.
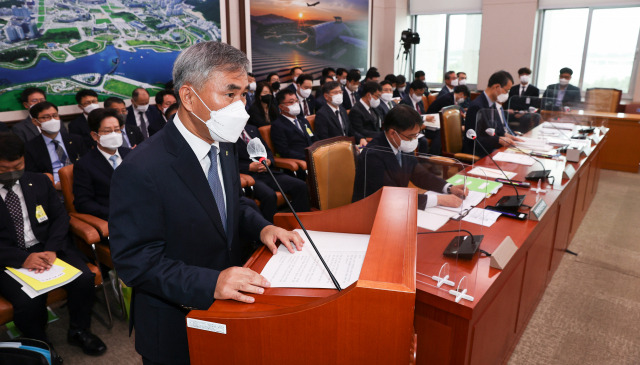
x=216 y=186
x=114 y=160
x=399 y=158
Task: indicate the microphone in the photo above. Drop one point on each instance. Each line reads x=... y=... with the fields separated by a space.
x=258 y=153
x=508 y=202
x=533 y=175
x=460 y=246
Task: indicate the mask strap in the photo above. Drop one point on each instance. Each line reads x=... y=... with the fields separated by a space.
x=205 y=105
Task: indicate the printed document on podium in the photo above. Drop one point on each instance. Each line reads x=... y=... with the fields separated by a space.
x=343 y=252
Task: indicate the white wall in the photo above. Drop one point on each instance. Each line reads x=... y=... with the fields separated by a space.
x=390 y=18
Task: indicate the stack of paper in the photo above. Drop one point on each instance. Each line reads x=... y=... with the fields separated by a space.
x=567 y=126
x=491 y=173
x=433 y=218
x=433 y=125
x=35 y=284
x=474 y=184
x=482 y=217
x=514 y=158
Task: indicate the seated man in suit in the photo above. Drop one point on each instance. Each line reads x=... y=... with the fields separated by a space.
x=372 y=75
x=351 y=94
x=414 y=99
x=462 y=78
x=457 y=97
x=139 y=114
x=164 y=99
x=131 y=134
x=388 y=160
x=54 y=148
x=365 y=118
x=319 y=100
x=26 y=129
x=521 y=98
x=393 y=80
x=92 y=173
x=87 y=102
x=341 y=76
x=450 y=81
x=386 y=103
x=420 y=75
x=562 y=94
x=34 y=231
x=265 y=188
x=401 y=87
x=290 y=135
x=329 y=72
x=332 y=120
x=302 y=87
x=251 y=91
x=497 y=91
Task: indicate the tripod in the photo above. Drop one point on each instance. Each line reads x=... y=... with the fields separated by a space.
x=406 y=63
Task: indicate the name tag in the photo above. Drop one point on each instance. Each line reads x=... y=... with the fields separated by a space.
x=528 y=101
x=41 y=216
x=309 y=132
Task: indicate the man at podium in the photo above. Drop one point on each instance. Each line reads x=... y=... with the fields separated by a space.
x=389 y=160
x=178 y=228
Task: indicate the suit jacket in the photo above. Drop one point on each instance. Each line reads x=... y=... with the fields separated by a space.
x=134 y=134
x=168 y=241
x=572 y=96
x=407 y=101
x=80 y=127
x=320 y=101
x=92 y=182
x=51 y=233
x=471 y=122
x=251 y=98
x=364 y=122
x=400 y=94
x=378 y=166
x=441 y=102
x=518 y=102
x=444 y=90
x=328 y=125
x=36 y=154
x=288 y=140
x=383 y=109
x=311 y=103
x=26 y=130
x=241 y=146
x=346 y=100
x=156 y=122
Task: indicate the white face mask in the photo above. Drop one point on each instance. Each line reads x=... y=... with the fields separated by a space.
x=294 y=109
x=295 y=78
x=386 y=97
x=164 y=110
x=502 y=98
x=374 y=103
x=226 y=124
x=142 y=108
x=525 y=79
x=564 y=82
x=460 y=101
x=407 y=146
x=462 y=81
x=336 y=99
x=111 y=141
x=343 y=81
x=305 y=93
x=252 y=86
x=416 y=98
x=89 y=108
x=51 y=126
x=454 y=82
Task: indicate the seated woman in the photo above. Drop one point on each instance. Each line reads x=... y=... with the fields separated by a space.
x=264 y=110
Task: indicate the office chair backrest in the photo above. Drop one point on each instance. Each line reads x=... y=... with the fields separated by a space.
x=312 y=120
x=451 y=130
x=66 y=181
x=603 y=100
x=265 y=133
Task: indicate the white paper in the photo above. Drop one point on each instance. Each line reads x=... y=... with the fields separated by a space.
x=474 y=198
x=55 y=271
x=343 y=252
x=482 y=217
x=435 y=125
x=514 y=158
x=567 y=126
x=491 y=173
x=430 y=220
x=558 y=141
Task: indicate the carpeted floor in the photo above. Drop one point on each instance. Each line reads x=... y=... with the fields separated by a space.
x=589 y=314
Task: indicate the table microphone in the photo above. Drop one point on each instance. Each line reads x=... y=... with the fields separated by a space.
x=258 y=153
x=509 y=202
x=533 y=175
x=459 y=246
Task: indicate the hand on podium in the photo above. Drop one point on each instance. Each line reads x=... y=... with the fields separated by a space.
x=234 y=280
x=272 y=234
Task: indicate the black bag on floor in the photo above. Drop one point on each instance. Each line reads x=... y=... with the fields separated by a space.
x=25 y=352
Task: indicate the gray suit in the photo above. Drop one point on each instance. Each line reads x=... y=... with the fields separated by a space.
x=26 y=130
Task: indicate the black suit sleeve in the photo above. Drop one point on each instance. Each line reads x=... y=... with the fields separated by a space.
x=357 y=120
x=58 y=218
x=281 y=142
x=84 y=193
x=322 y=126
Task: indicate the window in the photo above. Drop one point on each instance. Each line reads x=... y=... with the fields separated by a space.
x=599 y=46
x=448 y=42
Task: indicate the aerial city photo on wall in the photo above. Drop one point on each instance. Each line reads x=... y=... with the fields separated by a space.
x=110 y=46
x=311 y=34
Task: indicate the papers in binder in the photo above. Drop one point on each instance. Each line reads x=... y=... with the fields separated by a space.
x=343 y=252
x=491 y=173
x=474 y=184
x=433 y=124
x=34 y=284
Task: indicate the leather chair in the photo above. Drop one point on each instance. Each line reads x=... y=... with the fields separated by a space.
x=332 y=171
x=312 y=121
x=290 y=164
x=451 y=135
x=603 y=100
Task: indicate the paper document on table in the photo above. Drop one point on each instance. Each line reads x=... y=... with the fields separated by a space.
x=491 y=173
x=558 y=141
x=567 y=126
x=482 y=217
x=549 y=132
x=343 y=252
x=474 y=184
x=428 y=219
x=432 y=125
x=514 y=158
x=474 y=198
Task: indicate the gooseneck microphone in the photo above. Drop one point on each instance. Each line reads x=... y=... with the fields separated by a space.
x=508 y=202
x=533 y=175
x=258 y=153
x=459 y=246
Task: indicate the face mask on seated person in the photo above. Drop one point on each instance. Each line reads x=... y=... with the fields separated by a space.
x=386 y=97
x=343 y=81
x=111 y=141
x=142 y=108
x=564 y=82
x=502 y=98
x=336 y=99
x=252 y=87
x=525 y=79
x=416 y=98
x=407 y=146
x=275 y=86
x=89 y=108
x=9 y=178
x=454 y=82
x=266 y=98
x=51 y=126
x=305 y=93
x=374 y=103
x=294 y=109
x=462 y=82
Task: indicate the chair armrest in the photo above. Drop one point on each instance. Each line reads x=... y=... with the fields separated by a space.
x=466 y=157
x=84 y=231
x=246 y=180
x=100 y=225
x=302 y=164
x=94 y=269
x=287 y=163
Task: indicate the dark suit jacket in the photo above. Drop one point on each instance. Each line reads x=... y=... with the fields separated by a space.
x=167 y=239
x=311 y=104
x=36 y=154
x=328 y=125
x=377 y=166
x=92 y=182
x=346 y=100
x=156 y=122
x=52 y=233
x=488 y=142
x=444 y=90
x=256 y=117
x=134 y=134
x=363 y=122
x=80 y=127
x=572 y=96
x=288 y=140
x=383 y=109
x=407 y=101
x=400 y=94
x=241 y=147
x=441 y=102
x=251 y=98
x=3 y=127
x=517 y=102
x=26 y=130
x=320 y=101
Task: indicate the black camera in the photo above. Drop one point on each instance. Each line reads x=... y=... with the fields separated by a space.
x=409 y=38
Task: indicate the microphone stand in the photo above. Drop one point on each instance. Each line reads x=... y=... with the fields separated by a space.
x=333 y=278
x=533 y=175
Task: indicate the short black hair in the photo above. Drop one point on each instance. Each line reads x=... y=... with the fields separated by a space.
x=353 y=75
x=43 y=105
x=96 y=117
x=501 y=77
x=566 y=70
x=26 y=93
x=402 y=117
x=283 y=94
x=370 y=87
x=113 y=100
x=391 y=78
x=169 y=85
x=341 y=70
x=170 y=110
x=261 y=85
x=328 y=86
x=270 y=75
x=85 y=92
x=295 y=68
x=417 y=85
x=160 y=96
x=372 y=72
x=325 y=79
x=136 y=92
x=400 y=79
x=448 y=73
x=11 y=147
x=385 y=82
x=461 y=73
x=524 y=71
x=419 y=74
x=326 y=70
x=462 y=89
x=304 y=77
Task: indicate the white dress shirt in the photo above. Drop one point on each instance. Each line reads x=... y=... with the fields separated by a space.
x=136 y=114
x=29 y=236
x=107 y=156
x=334 y=110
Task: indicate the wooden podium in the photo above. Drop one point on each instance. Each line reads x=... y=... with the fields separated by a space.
x=369 y=322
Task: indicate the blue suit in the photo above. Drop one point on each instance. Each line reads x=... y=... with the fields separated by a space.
x=168 y=241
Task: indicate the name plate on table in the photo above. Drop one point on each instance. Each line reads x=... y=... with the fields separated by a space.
x=596 y=138
x=538 y=210
x=569 y=172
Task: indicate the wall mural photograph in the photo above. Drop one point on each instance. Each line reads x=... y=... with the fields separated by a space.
x=110 y=46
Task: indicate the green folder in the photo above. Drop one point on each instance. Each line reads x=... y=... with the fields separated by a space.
x=475 y=184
